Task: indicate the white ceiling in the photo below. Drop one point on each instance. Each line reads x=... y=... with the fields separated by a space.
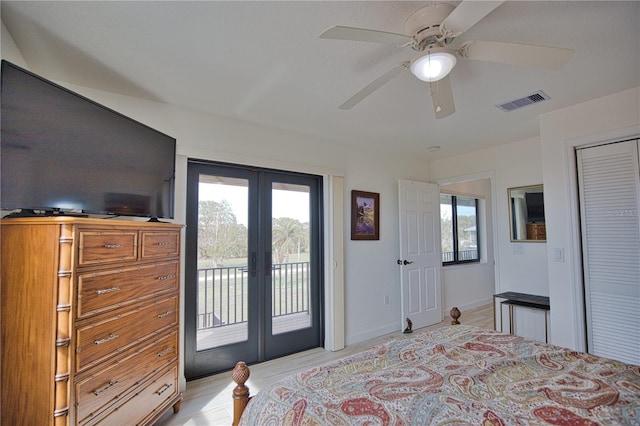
x=263 y=62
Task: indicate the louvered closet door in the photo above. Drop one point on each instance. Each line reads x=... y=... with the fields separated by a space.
x=609 y=183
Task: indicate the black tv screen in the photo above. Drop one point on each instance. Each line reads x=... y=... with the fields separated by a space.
x=61 y=152
x=535 y=206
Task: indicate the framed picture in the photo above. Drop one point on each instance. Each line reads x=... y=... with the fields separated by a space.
x=365 y=215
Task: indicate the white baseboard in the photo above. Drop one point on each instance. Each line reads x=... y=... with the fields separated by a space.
x=361 y=337
x=467 y=306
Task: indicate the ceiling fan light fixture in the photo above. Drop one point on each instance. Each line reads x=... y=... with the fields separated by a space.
x=433 y=65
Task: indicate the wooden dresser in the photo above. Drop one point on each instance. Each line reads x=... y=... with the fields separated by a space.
x=536 y=231
x=90 y=311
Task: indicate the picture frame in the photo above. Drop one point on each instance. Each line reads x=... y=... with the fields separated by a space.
x=365 y=215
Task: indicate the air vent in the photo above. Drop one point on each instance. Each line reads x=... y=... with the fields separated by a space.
x=533 y=98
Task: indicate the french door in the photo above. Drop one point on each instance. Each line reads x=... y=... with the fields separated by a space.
x=253 y=268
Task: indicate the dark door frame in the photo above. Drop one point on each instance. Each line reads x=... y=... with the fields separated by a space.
x=196 y=363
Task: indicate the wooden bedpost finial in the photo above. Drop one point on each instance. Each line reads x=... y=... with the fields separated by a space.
x=455 y=314
x=240 y=375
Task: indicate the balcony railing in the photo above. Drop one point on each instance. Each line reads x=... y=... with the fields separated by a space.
x=223 y=293
x=447 y=256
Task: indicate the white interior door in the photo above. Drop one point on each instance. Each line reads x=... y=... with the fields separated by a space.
x=420 y=258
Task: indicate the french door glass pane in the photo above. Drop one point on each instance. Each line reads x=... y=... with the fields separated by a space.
x=290 y=256
x=223 y=217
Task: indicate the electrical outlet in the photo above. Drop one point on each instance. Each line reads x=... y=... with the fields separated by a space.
x=518 y=250
x=386 y=299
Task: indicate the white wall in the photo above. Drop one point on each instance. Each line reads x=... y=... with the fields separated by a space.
x=370 y=273
x=370 y=269
x=471 y=285
x=372 y=264
x=9 y=50
x=606 y=119
x=520 y=267
x=550 y=160
x=514 y=164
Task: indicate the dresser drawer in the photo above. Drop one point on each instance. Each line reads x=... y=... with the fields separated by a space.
x=160 y=244
x=115 y=333
x=99 y=247
x=104 y=290
x=161 y=389
x=113 y=382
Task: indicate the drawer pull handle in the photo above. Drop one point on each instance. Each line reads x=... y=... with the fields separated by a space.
x=107 y=290
x=166 y=277
x=164 y=388
x=112 y=246
x=162 y=243
x=166 y=314
x=106 y=388
x=106 y=339
x=166 y=351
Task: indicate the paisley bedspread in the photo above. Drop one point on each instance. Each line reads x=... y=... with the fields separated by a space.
x=456 y=375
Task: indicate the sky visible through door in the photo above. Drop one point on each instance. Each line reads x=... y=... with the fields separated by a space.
x=287 y=203
x=223 y=265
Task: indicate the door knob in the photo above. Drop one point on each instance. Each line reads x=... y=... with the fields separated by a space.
x=403 y=262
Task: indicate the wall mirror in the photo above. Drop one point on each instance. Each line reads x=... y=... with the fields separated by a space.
x=526 y=213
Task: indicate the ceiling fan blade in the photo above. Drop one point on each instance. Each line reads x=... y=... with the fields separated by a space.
x=362 y=34
x=526 y=55
x=467 y=14
x=442 y=97
x=373 y=86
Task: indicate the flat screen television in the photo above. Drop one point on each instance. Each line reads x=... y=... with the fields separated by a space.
x=535 y=207
x=61 y=153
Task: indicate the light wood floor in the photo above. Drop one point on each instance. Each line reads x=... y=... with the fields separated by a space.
x=208 y=401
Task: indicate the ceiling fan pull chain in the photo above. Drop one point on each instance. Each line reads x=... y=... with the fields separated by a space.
x=434 y=95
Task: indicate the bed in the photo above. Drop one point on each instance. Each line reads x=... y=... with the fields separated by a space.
x=454 y=375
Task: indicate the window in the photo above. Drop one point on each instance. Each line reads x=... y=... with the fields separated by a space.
x=459 y=229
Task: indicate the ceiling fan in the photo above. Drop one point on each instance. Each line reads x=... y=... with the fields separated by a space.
x=430 y=31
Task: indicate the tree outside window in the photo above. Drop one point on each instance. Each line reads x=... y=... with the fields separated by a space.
x=459 y=229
